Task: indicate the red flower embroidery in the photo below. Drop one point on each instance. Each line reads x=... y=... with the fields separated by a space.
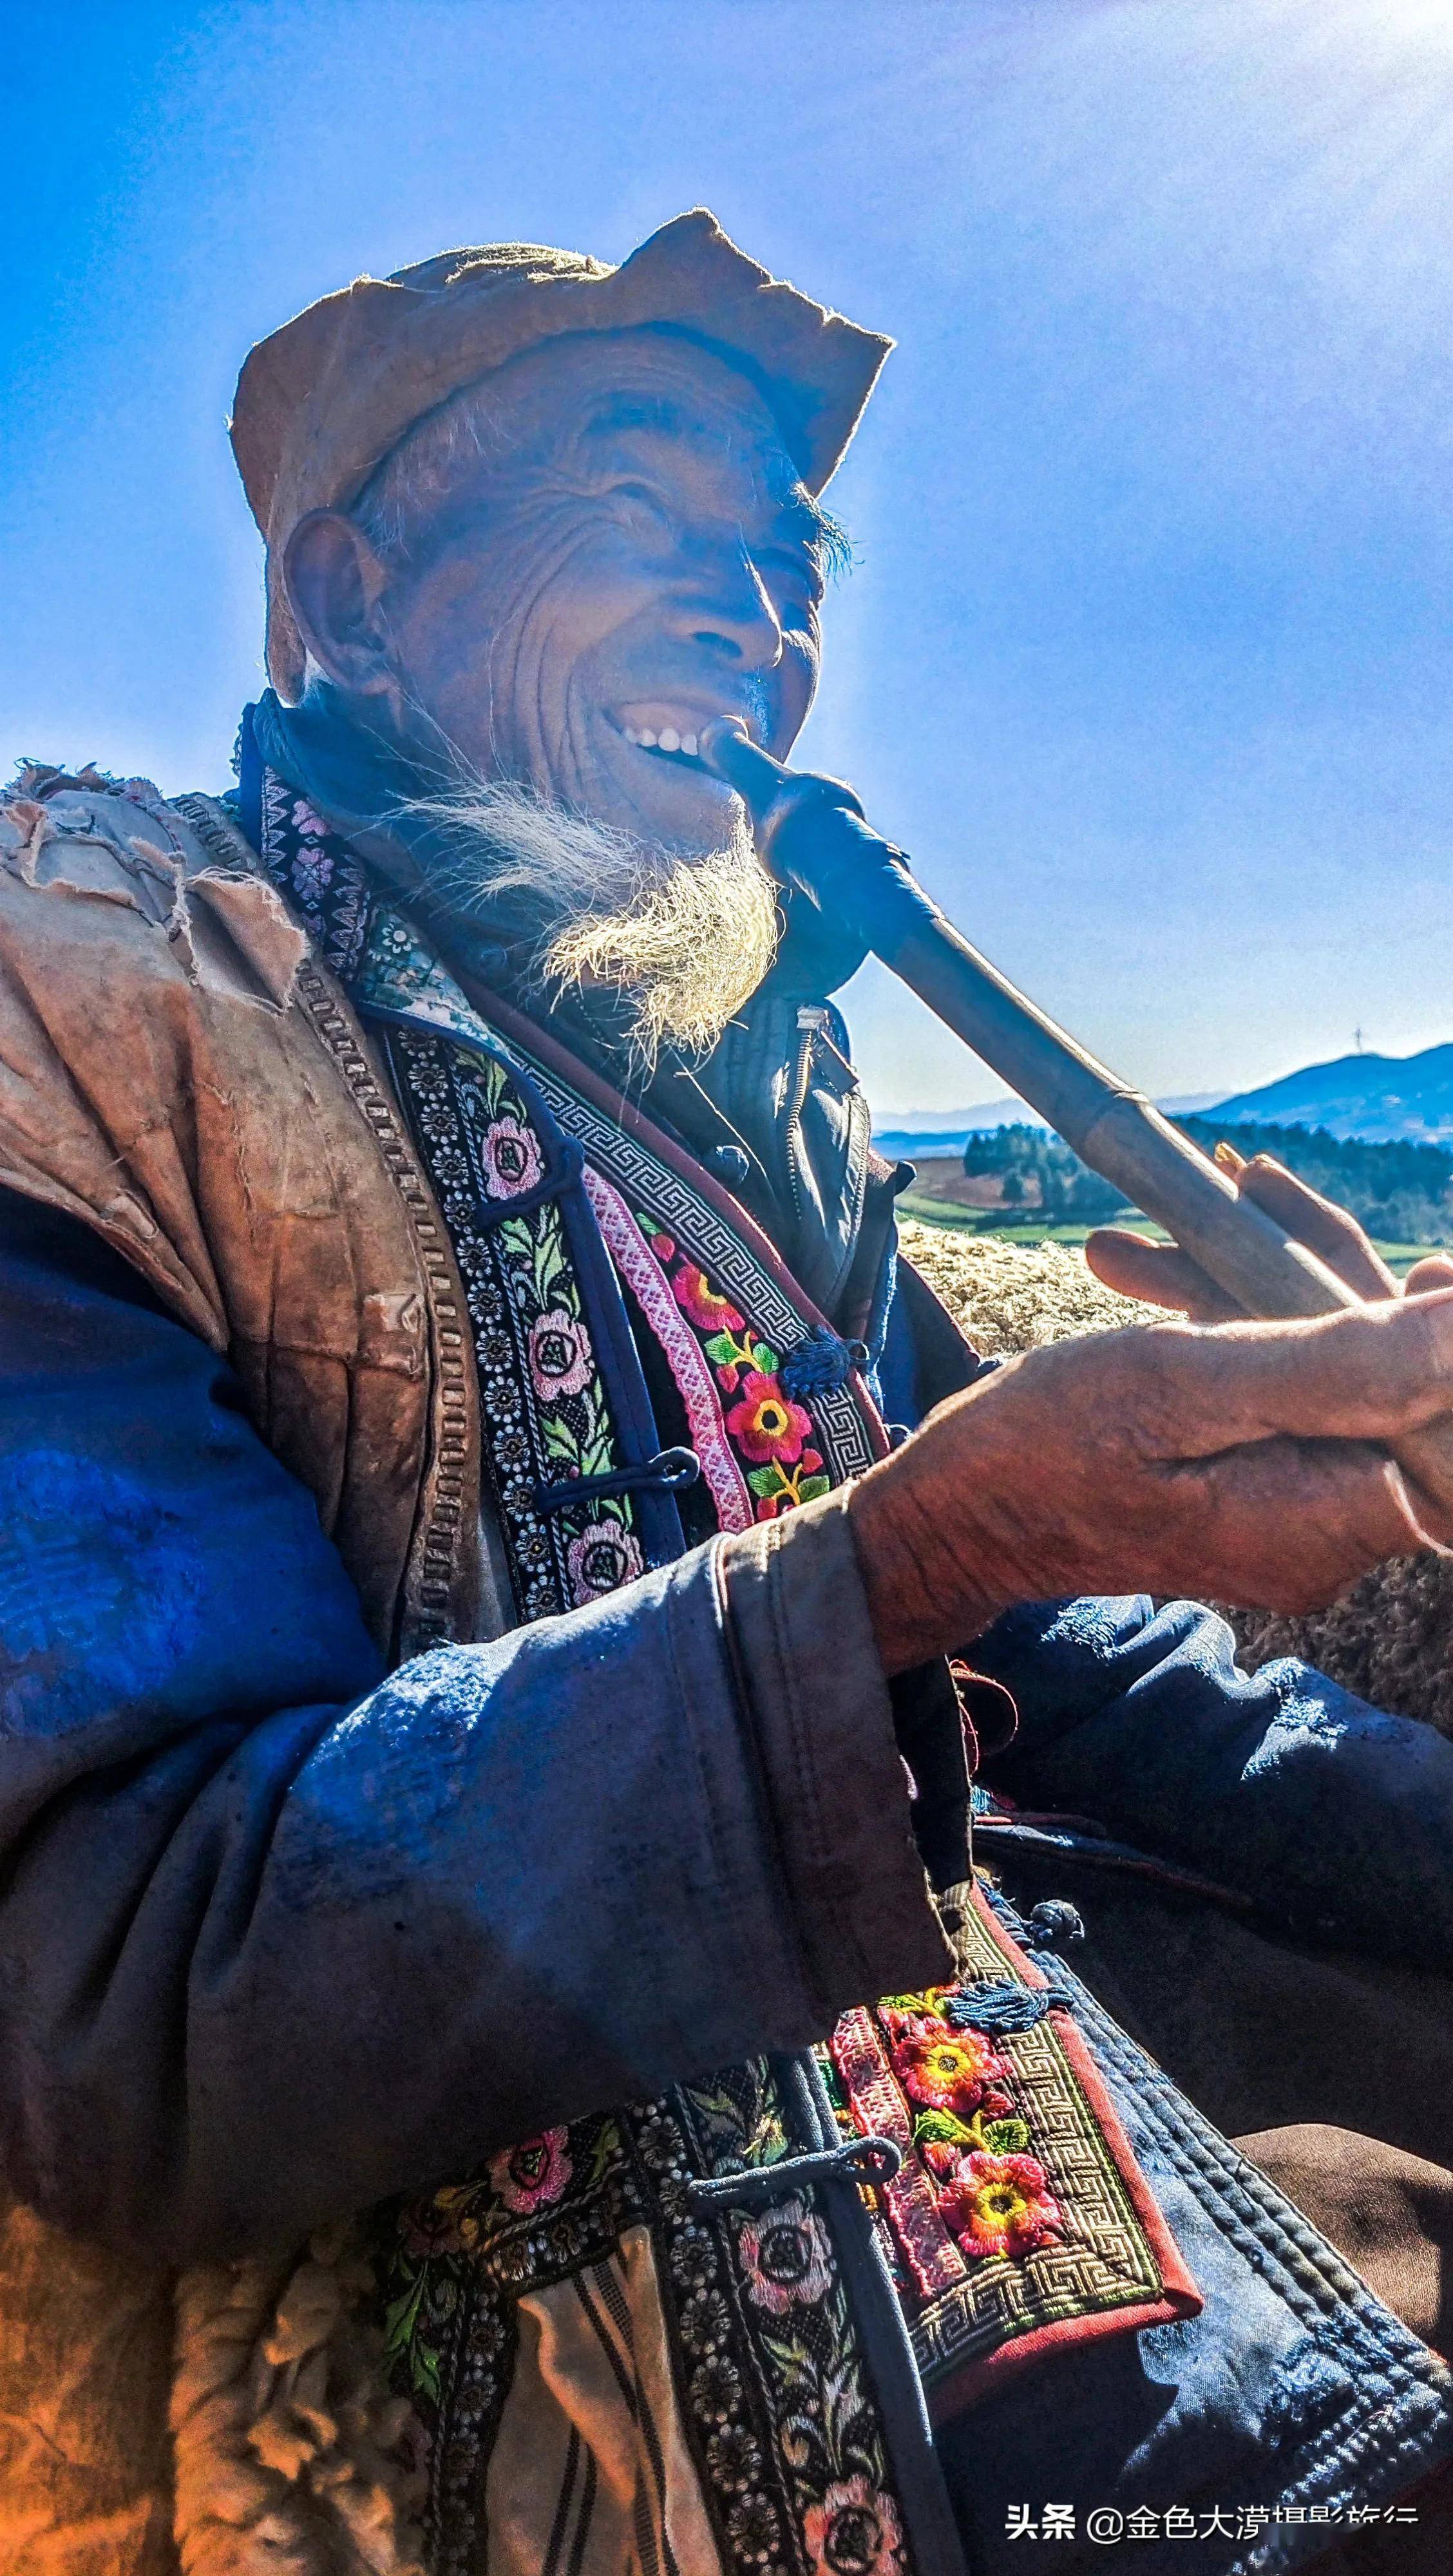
x=698 y=1299
x=766 y=1423
x=853 y=2532
x=446 y=2224
x=945 y=2070
x=995 y=2204
x=530 y=2176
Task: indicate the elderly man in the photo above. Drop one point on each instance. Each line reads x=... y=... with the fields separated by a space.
x=479 y=1747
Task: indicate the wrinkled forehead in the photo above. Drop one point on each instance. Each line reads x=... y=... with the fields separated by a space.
x=588 y=399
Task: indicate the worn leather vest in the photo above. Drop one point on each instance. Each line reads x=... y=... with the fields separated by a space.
x=179 y=1072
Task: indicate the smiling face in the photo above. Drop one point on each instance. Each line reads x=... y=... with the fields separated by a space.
x=630 y=555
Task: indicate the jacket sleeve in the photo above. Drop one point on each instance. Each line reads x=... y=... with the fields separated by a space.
x=281 y=1934
x=1333 y=1817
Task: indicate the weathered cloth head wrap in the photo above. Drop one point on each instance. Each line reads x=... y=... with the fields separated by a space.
x=322 y=401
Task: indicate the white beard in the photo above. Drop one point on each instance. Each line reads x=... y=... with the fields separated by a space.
x=686 y=936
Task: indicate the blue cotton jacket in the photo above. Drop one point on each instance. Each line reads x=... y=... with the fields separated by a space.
x=280 y=1932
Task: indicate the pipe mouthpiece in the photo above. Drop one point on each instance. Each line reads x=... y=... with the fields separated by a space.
x=727 y=749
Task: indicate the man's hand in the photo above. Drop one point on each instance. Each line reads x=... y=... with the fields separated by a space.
x=1248 y=1463
x=1163 y=1275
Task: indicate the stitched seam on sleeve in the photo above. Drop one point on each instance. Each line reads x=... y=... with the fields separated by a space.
x=808 y=1816
x=737 y=1906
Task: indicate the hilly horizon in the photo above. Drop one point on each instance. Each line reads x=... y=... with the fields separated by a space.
x=1377 y=1099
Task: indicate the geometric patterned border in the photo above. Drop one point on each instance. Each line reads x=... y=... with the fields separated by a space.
x=1102 y=2251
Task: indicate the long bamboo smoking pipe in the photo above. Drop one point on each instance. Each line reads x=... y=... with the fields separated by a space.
x=812 y=833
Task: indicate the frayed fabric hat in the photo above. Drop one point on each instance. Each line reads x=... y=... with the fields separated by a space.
x=322 y=401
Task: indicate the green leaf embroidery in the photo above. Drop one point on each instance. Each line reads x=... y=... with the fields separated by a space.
x=549 y=1264
x=812 y=1486
x=941 y=2129
x=401 y=2339
x=792 y=2358
x=606 y=2146
x=596 y=1455
x=768 y=1480
x=1006 y=2137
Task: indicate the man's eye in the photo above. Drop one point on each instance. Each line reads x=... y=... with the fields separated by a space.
x=639 y=503
x=795 y=583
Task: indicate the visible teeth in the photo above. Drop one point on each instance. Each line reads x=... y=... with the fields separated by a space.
x=668 y=739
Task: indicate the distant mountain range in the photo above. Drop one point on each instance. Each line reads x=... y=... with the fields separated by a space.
x=1382 y=1099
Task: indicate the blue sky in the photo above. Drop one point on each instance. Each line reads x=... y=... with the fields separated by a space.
x=1148 y=653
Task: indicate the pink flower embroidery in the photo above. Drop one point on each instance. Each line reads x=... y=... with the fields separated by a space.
x=603 y=1557
x=853 y=2532
x=305 y=820
x=766 y=1423
x=698 y=1299
x=531 y=2176
x=785 y=2256
x=512 y=1162
x=312 y=873
x=560 y=1354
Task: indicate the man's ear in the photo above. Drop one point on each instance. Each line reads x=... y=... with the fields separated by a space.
x=335 y=583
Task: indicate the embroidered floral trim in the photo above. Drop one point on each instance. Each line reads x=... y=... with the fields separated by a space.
x=854 y=2532
x=638 y=1266
x=511 y=1159
x=787 y=2437
x=785 y=2257
x=772 y=1434
x=1011 y=2212
x=323 y=879
x=694 y=1233
x=995 y=2204
x=944 y=2070
x=528 y=2178
x=600 y=1559
x=944 y=2091
x=544 y=1412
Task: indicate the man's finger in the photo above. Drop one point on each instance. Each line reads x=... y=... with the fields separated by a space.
x=1425 y=1276
x=1319 y=1223
x=1368 y=1373
x=1159 y=1274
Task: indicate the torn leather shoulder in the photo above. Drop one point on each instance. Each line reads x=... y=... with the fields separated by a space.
x=83 y=837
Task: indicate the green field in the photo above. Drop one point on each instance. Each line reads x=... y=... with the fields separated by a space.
x=959 y=1220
